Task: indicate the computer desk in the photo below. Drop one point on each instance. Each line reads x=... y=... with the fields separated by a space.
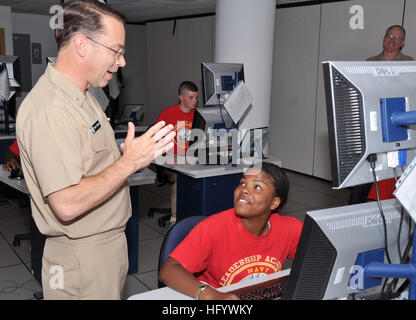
x=143 y=177
x=204 y=189
x=167 y=293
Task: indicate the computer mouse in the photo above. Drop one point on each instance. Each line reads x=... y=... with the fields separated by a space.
x=16 y=174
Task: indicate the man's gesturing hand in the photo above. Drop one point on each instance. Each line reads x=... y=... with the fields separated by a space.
x=141 y=151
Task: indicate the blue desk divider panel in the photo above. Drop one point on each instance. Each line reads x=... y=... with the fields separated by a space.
x=205 y=196
x=132 y=231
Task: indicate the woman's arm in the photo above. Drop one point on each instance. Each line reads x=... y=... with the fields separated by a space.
x=178 y=278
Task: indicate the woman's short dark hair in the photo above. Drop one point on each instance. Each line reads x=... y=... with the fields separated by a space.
x=187 y=85
x=279 y=180
x=83 y=16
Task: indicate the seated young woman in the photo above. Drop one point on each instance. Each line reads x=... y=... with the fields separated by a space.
x=247 y=241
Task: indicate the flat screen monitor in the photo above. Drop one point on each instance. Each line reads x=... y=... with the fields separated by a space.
x=361 y=99
x=212 y=132
x=335 y=240
x=133 y=113
x=219 y=80
x=13 y=68
x=12 y=63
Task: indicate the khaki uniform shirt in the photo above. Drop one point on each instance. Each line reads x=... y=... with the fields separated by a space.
x=63 y=136
x=399 y=57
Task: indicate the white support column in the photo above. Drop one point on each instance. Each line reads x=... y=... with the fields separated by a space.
x=244 y=34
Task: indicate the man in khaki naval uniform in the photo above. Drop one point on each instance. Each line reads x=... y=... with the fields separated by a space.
x=73 y=169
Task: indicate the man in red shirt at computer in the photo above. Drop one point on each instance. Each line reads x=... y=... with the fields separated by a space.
x=180 y=116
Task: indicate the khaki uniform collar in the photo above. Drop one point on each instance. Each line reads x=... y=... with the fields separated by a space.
x=65 y=84
x=398 y=57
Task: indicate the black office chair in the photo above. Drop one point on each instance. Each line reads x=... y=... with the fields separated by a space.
x=20 y=237
x=37 y=243
x=175 y=235
x=163 y=179
x=24 y=202
x=359 y=193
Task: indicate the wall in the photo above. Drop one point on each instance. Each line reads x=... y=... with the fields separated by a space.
x=305 y=37
x=157 y=60
x=135 y=71
x=174 y=54
x=292 y=112
x=37 y=26
x=410 y=26
x=6 y=23
x=160 y=55
x=339 y=42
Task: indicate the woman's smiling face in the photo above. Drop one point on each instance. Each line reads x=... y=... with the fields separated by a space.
x=255 y=195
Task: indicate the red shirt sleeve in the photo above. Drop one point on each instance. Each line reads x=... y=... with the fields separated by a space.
x=295 y=226
x=15 y=148
x=385 y=189
x=160 y=117
x=197 y=241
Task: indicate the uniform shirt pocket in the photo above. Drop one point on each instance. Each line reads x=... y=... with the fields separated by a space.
x=98 y=141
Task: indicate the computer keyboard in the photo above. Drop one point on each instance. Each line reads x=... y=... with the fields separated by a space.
x=269 y=290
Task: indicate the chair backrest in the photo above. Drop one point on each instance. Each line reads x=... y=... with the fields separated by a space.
x=175 y=236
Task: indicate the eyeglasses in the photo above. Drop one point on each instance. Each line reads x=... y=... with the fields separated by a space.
x=119 y=52
x=396 y=37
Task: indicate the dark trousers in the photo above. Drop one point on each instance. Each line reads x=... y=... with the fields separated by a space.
x=359 y=193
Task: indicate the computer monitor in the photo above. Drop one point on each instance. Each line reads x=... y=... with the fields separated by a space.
x=133 y=113
x=362 y=99
x=219 y=80
x=212 y=118
x=11 y=64
x=13 y=69
x=212 y=136
x=335 y=241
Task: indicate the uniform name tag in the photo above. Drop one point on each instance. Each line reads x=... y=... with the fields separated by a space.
x=95 y=127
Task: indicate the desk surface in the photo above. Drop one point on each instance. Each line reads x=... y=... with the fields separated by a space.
x=145 y=176
x=185 y=166
x=123 y=129
x=7 y=137
x=167 y=293
x=18 y=184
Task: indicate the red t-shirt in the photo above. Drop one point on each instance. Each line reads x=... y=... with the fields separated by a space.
x=385 y=190
x=182 y=123
x=14 y=147
x=228 y=253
